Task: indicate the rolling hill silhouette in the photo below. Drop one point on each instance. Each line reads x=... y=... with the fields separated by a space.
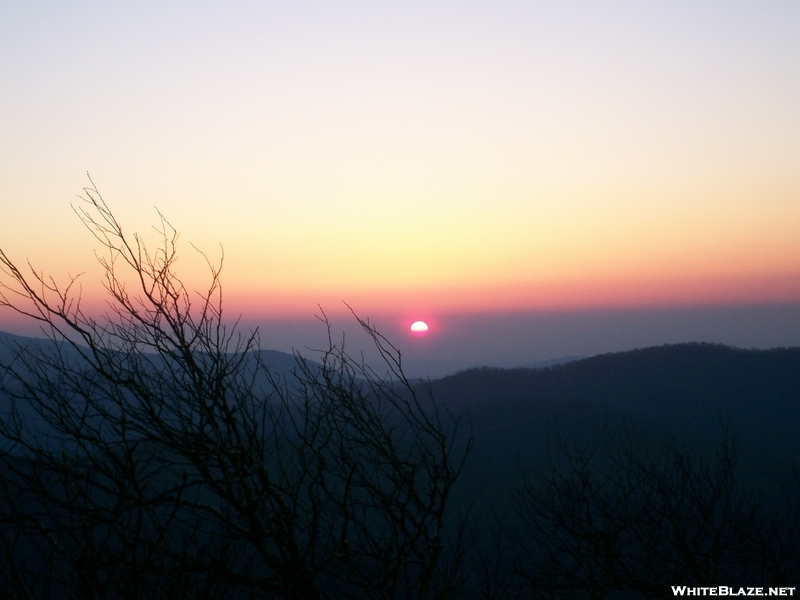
x=689 y=390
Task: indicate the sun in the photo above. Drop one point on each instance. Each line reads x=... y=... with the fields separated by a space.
x=419 y=328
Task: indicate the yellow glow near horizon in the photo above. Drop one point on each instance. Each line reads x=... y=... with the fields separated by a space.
x=479 y=158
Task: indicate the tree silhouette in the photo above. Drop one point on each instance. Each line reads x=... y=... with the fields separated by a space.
x=630 y=514
x=151 y=453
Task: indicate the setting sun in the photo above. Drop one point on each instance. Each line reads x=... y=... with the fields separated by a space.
x=419 y=328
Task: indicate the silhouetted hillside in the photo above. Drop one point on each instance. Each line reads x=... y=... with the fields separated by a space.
x=658 y=380
x=279 y=363
x=686 y=389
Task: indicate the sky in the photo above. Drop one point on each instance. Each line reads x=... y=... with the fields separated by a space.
x=534 y=179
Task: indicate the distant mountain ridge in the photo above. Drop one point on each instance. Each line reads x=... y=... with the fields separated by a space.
x=277 y=361
x=682 y=387
x=686 y=389
x=691 y=390
x=672 y=371
x=684 y=380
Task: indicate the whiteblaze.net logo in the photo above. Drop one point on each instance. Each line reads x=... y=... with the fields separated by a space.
x=724 y=590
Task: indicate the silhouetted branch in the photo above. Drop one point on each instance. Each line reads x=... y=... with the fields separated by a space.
x=151 y=453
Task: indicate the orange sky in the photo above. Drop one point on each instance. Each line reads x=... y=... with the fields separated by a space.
x=417 y=158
